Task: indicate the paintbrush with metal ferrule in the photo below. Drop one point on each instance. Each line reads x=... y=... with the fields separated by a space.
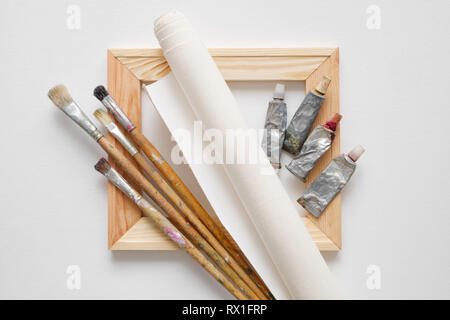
x=250 y=288
x=175 y=181
x=62 y=99
x=164 y=224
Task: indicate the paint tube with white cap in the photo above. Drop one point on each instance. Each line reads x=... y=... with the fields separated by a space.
x=330 y=182
x=304 y=117
x=275 y=125
x=318 y=142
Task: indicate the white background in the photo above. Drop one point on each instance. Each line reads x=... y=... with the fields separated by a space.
x=394 y=81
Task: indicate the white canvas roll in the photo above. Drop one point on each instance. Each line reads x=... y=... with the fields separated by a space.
x=285 y=238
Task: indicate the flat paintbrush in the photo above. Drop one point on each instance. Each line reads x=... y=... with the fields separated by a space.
x=168 y=228
x=62 y=99
x=175 y=181
x=108 y=122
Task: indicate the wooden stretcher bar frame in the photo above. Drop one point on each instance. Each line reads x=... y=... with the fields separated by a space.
x=128 y=69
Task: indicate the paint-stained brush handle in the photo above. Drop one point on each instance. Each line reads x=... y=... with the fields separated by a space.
x=225 y=261
x=248 y=286
x=175 y=217
x=164 y=224
x=221 y=235
x=218 y=231
x=62 y=99
x=238 y=262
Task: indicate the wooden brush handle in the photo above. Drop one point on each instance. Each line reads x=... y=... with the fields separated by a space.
x=174 y=216
x=174 y=234
x=195 y=221
x=218 y=231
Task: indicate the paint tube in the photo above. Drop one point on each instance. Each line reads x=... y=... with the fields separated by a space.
x=275 y=125
x=304 y=117
x=330 y=182
x=318 y=142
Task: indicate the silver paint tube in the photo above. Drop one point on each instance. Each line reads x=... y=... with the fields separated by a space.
x=318 y=142
x=330 y=182
x=304 y=117
x=275 y=125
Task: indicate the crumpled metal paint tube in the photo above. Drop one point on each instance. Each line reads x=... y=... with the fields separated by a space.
x=304 y=117
x=275 y=125
x=318 y=142
x=330 y=182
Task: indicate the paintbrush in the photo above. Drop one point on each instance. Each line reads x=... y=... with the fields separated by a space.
x=108 y=122
x=168 y=228
x=62 y=99
x=175 y=181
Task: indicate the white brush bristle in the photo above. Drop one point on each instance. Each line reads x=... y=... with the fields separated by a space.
x=103 y=117
x=60 y=96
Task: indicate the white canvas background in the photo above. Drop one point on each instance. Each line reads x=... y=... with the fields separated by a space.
x=393 y=85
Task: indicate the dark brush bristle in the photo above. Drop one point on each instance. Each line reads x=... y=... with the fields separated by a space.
x=102 y=166
x=100 y=92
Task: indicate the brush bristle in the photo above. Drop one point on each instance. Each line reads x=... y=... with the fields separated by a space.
x=100 y=92
x=103 y=117
x=102 y=166
x=60 y=96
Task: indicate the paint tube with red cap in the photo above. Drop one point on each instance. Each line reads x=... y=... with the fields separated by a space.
x=330 y=182
x=318 y=142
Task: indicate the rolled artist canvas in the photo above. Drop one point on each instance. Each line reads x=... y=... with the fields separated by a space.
x=171 y=104
x=280 y=229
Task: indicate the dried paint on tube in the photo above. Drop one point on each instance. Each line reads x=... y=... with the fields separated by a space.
x=175 y=236
x=330 y=182
x=275 y=125
x=304 y=117
x=315 y=146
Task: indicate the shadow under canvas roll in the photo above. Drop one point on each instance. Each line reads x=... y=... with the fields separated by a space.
x=286 y=239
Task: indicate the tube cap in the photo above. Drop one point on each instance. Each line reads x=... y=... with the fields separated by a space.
x=356 y=152
x=322 y=86
x=279 y=91
x=335 y=118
